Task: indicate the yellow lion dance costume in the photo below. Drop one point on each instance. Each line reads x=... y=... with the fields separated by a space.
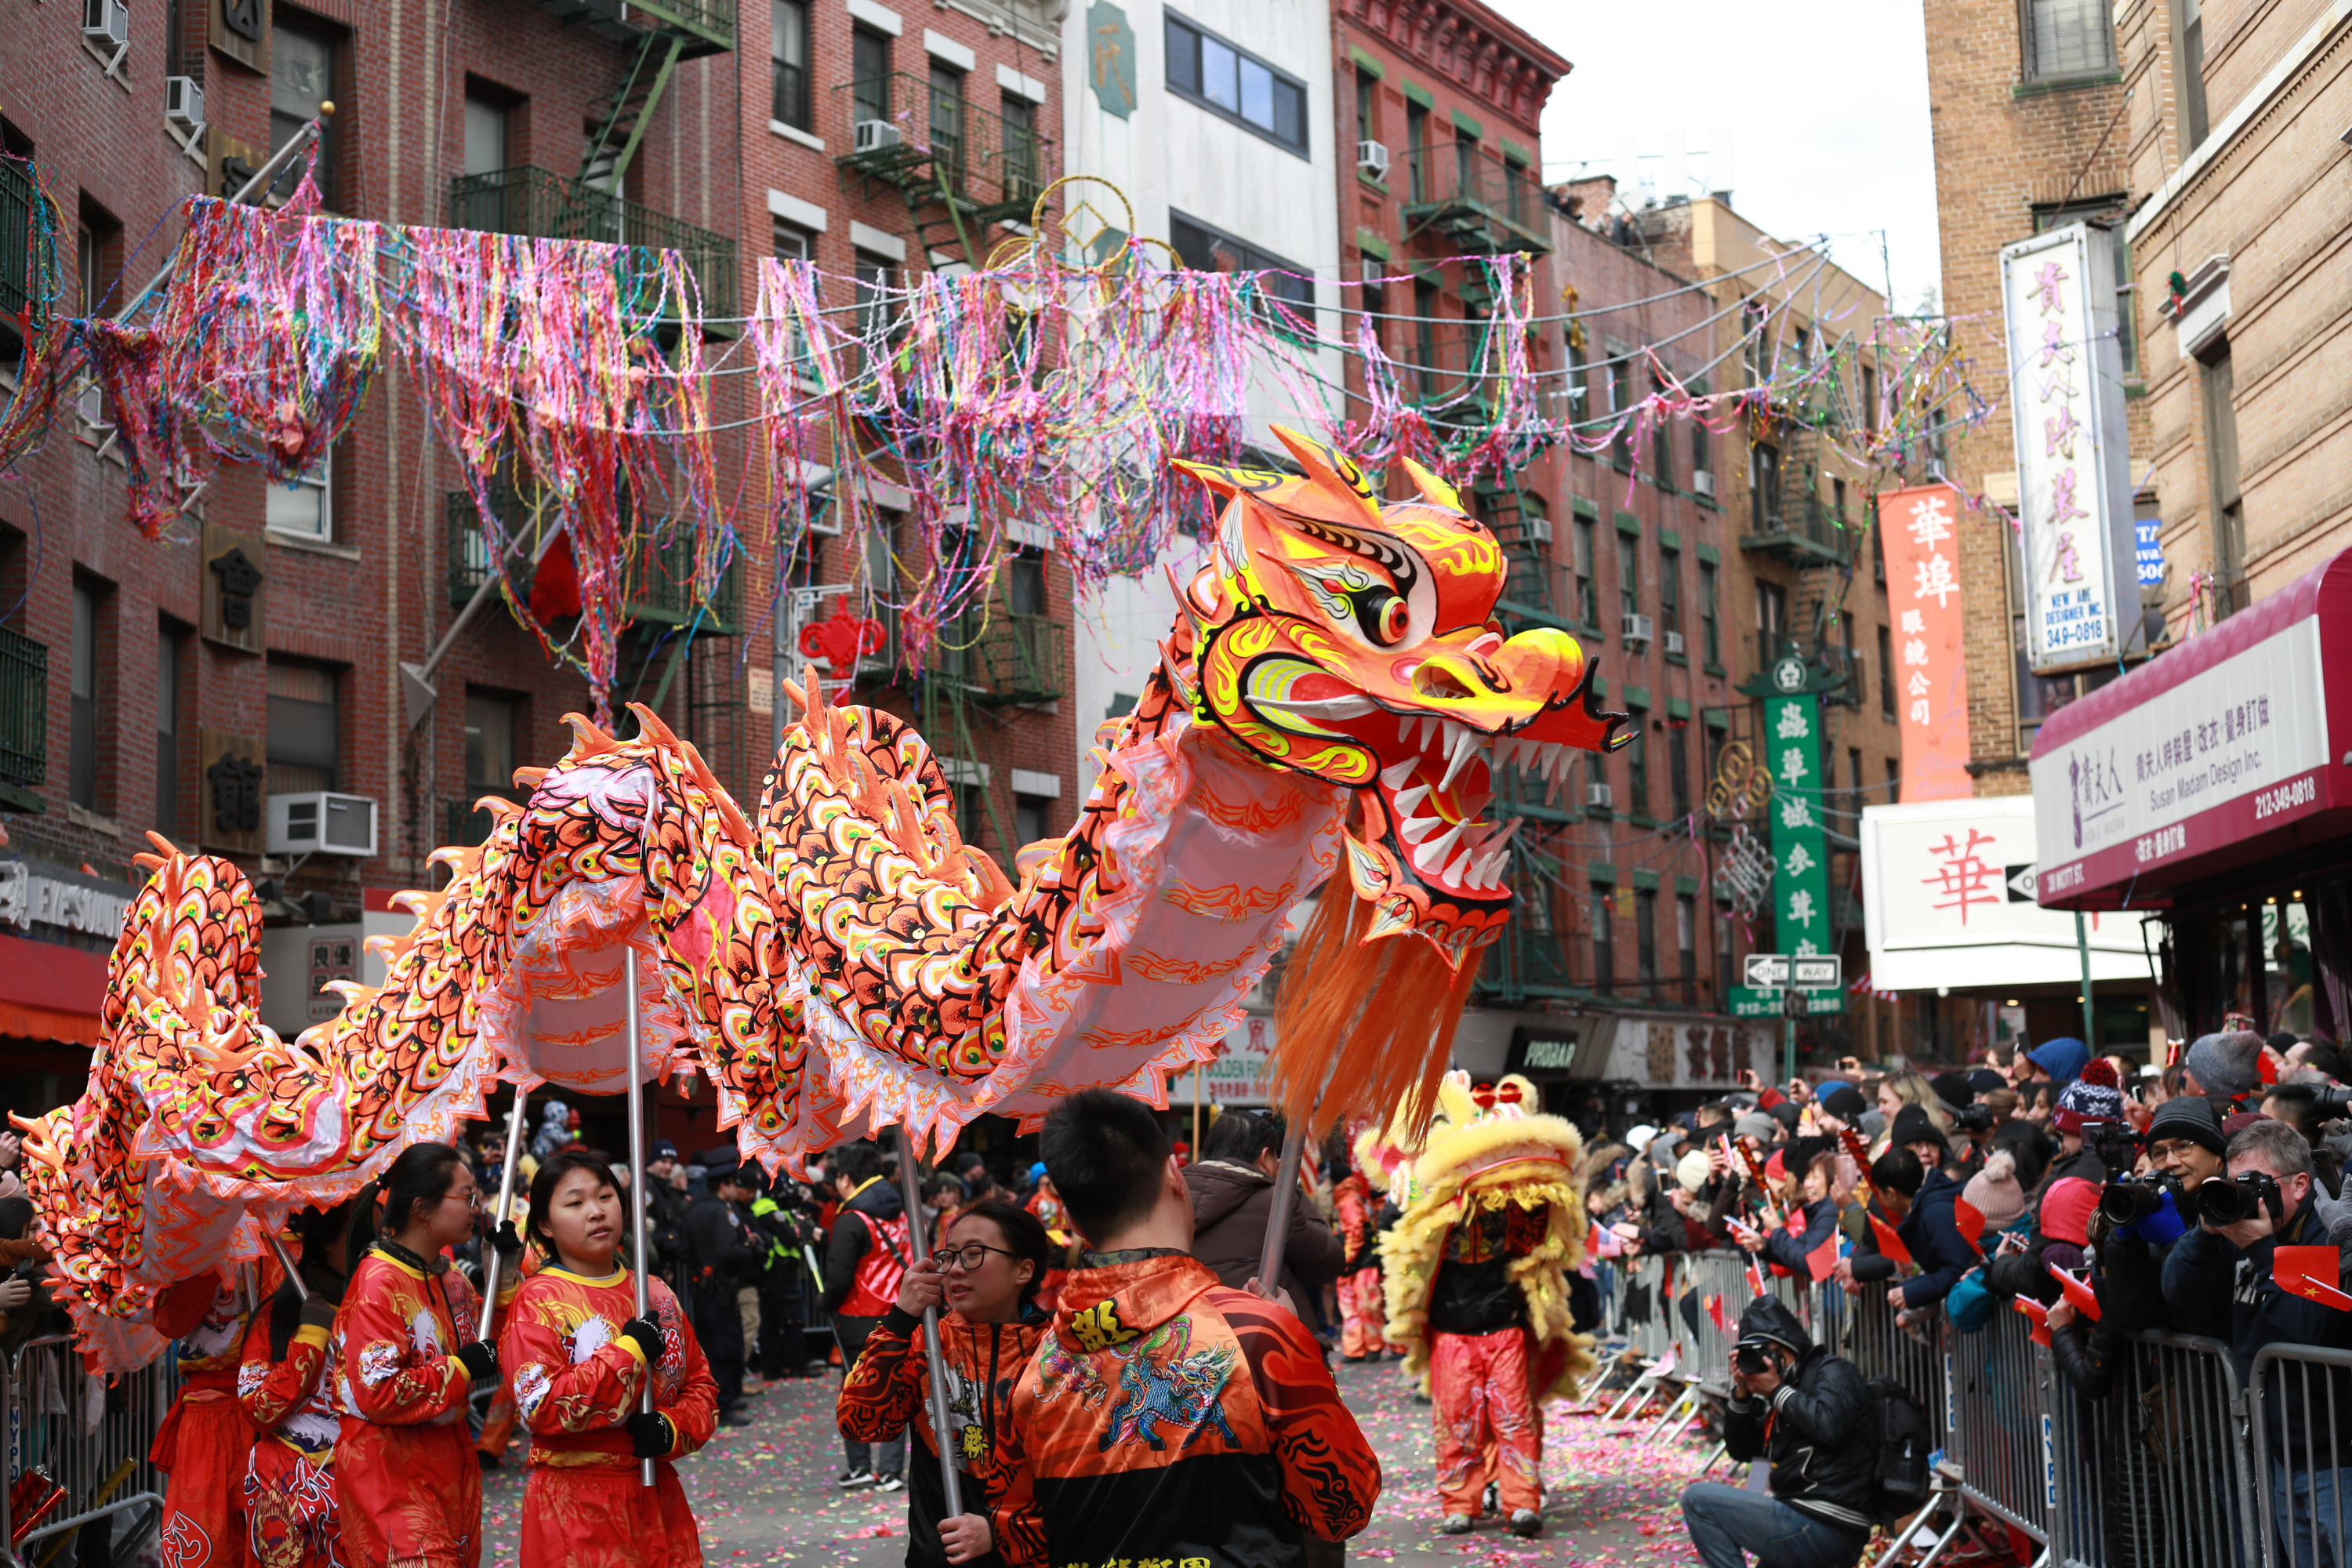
x=1478 y=1290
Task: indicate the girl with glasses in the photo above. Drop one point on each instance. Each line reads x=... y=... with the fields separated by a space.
x=579 y=1357
x=985 y=1275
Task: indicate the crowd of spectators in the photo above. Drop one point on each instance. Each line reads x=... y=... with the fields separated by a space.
x=1997 y=1179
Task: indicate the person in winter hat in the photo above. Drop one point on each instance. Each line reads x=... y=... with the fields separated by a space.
x=554 y=1128
x=1995 y=1193
x=1801 y=1408
x=2093 y=1096
x=2227 y=1065
x=2060 y=1060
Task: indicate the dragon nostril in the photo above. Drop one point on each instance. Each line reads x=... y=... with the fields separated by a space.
x=1434 y=680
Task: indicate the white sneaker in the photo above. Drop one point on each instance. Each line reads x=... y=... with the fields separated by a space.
x=856 y=1476
x=889 y=1483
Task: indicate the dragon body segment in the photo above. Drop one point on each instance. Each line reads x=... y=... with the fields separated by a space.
x=841 y=961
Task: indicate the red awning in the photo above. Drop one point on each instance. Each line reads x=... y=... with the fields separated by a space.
x=50 y=993
x=2231 y=750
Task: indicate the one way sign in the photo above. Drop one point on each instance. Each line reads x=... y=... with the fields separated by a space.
x=1765 y=971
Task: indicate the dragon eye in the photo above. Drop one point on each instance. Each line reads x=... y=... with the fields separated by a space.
x=1390 y=618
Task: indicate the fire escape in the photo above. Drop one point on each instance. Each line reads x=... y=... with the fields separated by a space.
x=962 y=170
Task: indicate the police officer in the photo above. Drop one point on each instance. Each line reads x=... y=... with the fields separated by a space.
x=721 y=1245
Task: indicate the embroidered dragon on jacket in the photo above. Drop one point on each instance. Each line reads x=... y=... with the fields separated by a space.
x=1331 y=699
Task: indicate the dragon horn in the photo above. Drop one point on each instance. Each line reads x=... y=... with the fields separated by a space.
x=463 y=860
x=1433 y=490
x=737 y=825
x=587 y=741
x=529 y=778
x=993 y=889
x=650 y=726
x=1331 y=471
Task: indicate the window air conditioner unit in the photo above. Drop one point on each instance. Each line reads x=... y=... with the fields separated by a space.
x=1540 y=529
x=875 y=136
x=1674 y=642
x=106 y=22
x=184 y=101
x=1373 y=158
x=1597 y=797
x=1637 y=629
x=1702 y=483
x=319 y=822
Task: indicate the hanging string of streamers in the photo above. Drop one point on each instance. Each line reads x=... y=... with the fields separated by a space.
x=1033 y=391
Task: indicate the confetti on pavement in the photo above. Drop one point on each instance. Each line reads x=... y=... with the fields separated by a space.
x=765 y=1493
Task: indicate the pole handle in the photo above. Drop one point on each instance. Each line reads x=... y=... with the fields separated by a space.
x=919 y=1247
x=287 y=1263
x=1277 y=1217
x=638 y=1181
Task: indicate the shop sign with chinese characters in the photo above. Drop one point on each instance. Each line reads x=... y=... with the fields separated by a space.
x=2073 y=462
x=1917 y=532
x=1801 y=886
x=1949 y=892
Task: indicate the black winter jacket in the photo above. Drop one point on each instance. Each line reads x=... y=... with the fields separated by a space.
x=2090 y=1354
x=1818 y=1443
x=718 y=1247
x=2207 y=1275
x=1932 y=1236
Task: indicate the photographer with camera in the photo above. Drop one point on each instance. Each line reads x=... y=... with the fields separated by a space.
x=1802 y=1407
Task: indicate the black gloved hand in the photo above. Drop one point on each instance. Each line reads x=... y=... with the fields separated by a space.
x=651 y=1435
x=504 y=1238
x=647 y=1334
x=317 y=1312
x=481 y=1359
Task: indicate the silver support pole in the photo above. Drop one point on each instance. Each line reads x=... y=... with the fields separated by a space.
x=287 y=1263
x=918 y=1247
x=506 y=1206
x=2083 y=951
x=1277 y=1217
x=638 y=1181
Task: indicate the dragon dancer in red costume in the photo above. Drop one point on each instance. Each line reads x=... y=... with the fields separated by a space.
x=1166 y=1417
x=285 y=1386
x=986 y=1271
x=579 y=1356
x=407 y=1487
x=1362 y=1314
x=1477 y=1292
x=204 y=1442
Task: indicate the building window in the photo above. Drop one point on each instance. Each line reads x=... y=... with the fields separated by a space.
x=1764 y=489
x=947 y=122
x=2066 y=37
x=2218 y=383
x=1709 y=627
x=304 y=727
x=306 y=507
x=1621 y=408
x=1854 y=774
x=2189 y=76
x=1033 y=815
x=1588 y=589
x=81 y=767
x=1637 y=763
x=488 y=133
x=1678 y=769
x=1670 y=591
x=1662 y=439
x=1416 y=137
x=869 y=70
x=1870 y=410
x=1022 y=168
x=1576 y=368
x=874 y=279
x=168 y=641
x=794 y=243
x=788 y=96
x=491 y=725
x=1702 y=447
x=1424 y=335
x=1285 y=291
x=1236 y=85
x=1645 y=935
x=1885 y=672
x=1771 y=621
x=1893 y=782
x=301 y=77
x=1025 y=581
x=1629 y=573
x=1604 y=940
x=1368 y=98
x=1687 y=942
x=1726 y=954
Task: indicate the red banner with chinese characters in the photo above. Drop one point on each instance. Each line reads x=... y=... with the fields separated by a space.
x=1919 y=531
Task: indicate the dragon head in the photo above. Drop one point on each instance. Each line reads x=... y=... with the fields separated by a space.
x=1356 y=640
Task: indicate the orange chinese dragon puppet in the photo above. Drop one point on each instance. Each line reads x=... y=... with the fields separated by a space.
x=1477 y=1271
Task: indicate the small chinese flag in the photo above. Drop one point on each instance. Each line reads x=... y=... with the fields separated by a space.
x=2039 y=1313
x=1822 y=1261
x=2266 y=1064
x=1970 y=1220
x=1889 y=1244
x=2085 y=1300
x=2311 y=1273
x=1715 y=1310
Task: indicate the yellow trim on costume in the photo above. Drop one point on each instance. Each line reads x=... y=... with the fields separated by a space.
x=314 y=1334
x=617 y=1276
x=634 y=1349
x=462 y=1371
x=378 y=1252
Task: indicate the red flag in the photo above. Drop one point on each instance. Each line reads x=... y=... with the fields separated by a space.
x=1970 y=1220
x=2266 y=1065
x=1889 y=1244
x=2085 y=1300
x=2311 y=1273
x=1715 y=1310
x=2038 y=1312
x=1822 y=1261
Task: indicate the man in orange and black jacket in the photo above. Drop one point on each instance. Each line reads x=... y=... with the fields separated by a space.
x=1167 y=1417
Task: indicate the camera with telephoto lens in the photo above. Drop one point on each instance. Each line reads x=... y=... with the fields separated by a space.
x=2116 y=1145
x=2334 y=1102
x=2128 y=1200
x=2221 y=1204
x=1750 y=1358
x=1973 y=1117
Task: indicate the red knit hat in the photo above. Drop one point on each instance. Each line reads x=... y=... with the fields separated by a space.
x=2066 y=1210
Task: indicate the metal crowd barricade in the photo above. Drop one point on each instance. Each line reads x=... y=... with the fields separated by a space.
x=2154 y=1475
x=2300 y=1407
x=89 y=1436
x=1998 y=1430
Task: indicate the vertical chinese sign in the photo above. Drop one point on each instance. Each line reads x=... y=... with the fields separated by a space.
x=1801 y=888
x=2074 y=464
x=1917 y=531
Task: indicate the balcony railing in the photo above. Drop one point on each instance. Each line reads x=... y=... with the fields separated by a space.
x=532 y=201
x=21 y=294
x=1796 y=523
x=23 y=711
x=903 y=131
x=1482 y=204
x=666 y=593
x=1016 y=660
x=1837 y=669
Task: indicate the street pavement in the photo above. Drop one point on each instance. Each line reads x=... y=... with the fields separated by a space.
x=765 y=1493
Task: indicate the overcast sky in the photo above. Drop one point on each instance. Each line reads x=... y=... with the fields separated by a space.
x=1825 y=102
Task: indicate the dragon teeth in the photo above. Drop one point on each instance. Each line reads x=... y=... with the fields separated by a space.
x=1463 y=746
x=1459 y=872
x=1409 y=801
x=1394 y=778
x=1413 y=829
